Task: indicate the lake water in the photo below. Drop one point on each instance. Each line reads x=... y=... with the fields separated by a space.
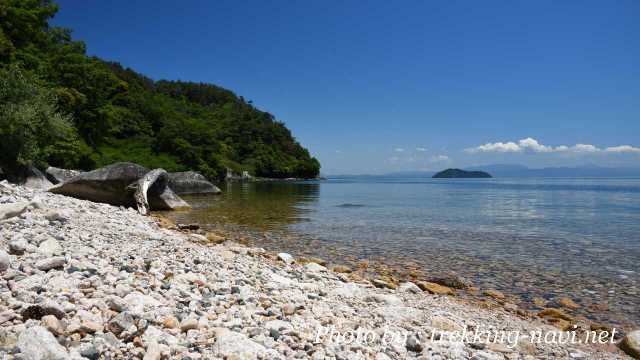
x=529 y=238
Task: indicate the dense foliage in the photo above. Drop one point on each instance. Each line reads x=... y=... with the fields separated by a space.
x=31 y=129
x=117 y=114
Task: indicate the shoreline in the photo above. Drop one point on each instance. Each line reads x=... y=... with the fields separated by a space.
x=108 y=281
x=392 y=270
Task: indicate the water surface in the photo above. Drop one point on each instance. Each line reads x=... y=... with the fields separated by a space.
x=540 y=237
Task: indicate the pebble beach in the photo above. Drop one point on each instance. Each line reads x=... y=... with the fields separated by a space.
x=83 y=280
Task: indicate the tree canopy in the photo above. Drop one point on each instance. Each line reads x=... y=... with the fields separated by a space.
x=101 y=112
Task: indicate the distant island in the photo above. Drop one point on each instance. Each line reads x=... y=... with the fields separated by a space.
x=457 y=173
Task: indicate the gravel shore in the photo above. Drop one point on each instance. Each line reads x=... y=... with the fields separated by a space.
x=87 y=280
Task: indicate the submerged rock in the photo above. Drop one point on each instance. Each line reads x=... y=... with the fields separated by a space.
x=568 y=303
x=341 y=269
x=435 y=288
x=495 y=294
x=452 y=281
x=554 y=313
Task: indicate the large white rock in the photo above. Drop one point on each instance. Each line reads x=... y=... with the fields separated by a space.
x=154 y=335
x=631 y=344
x=50 y=247
x=154 y=351
x=56 y=262
x=10 y=210
x=281 y=280
x=313 y=267
x=348 y=290
x=138 y=303
x=230 y=343
x=286 y=258
x=37 y=343
x=409 y=287
x=18 y=246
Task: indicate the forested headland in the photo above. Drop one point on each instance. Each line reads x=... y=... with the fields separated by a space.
x=60 y=107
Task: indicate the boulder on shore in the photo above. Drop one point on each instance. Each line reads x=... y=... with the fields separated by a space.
x=152 y=192
x=118 y=184
x=57 y=175
x=191 y=182
x=106 y=185
x=33 y=179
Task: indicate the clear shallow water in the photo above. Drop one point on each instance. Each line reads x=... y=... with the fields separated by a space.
x=527 y=237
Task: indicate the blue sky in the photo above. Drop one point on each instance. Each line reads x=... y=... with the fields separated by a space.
x=380 y=86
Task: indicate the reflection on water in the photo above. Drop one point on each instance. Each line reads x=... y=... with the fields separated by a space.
x=259 y=205
x=528 y=237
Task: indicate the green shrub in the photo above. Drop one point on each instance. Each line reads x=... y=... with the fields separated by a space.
x=31 y=127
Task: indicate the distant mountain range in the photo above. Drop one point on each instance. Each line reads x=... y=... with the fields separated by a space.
x=513 y=170
x=508 y=170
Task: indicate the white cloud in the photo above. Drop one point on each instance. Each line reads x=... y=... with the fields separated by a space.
x=421 y=149
x=398 y=150
x=532 y=145
x=496 y=147
x=439 y=158
x=622 y=149
x=584 y=148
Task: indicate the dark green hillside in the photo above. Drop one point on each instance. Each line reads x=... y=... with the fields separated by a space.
x=102 y=112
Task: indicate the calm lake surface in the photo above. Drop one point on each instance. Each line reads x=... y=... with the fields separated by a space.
x=533 y=237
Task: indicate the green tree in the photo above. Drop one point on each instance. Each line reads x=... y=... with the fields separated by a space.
x=121 y=115
x=31 y=127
